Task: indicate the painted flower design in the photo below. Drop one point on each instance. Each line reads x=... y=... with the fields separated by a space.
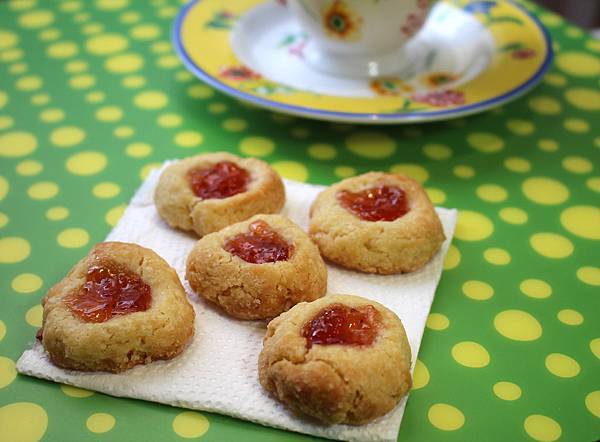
x=415 y=20
x=222 y=20
x=522 y=54
x=390 y=87
x=341 y=22
x=437 y=79
x=440 y=98
x=239 y=73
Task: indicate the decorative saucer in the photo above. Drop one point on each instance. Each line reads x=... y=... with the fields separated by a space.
x=469 y=57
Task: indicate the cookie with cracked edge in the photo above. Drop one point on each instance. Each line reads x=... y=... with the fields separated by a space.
x=336 y=383
x=120 y=306
x=248 y=290
x=253 y=188
x=401 y=245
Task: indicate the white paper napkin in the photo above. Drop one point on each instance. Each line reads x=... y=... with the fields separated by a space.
x=218 y=372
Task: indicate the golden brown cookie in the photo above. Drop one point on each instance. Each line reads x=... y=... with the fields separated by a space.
x=376 y=223
x=340 y=359
x=207 y=192
x=120 y=306
x=258 y=268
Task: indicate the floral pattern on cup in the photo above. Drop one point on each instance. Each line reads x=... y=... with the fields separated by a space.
x=440 y=98
x=341 y=22
x=239 y=73
x=390 y=87
x=435 y=80
x=414 y=22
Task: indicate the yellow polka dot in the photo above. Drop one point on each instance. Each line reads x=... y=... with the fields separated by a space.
x=513 y=215
x=189 y=138
x=106 y=44
x=593 y=184
x=322 y=151
x=463 y=171
x=414 y=171
x=36 y=19
x=145 y=32
x=26 y=283
x=75 y=392
x=437 y=196
x=497 y=256
x=578 y=64
x=114 y=215
x=583 y=221
x=22 y=421
x=445 y=417
x=43 y=190
x=138 y=150
x=470 y=354
x=3 y=219
x=17 y=144
x=546 y=191
x=437 y=321
x=67 y=136
x=84 y=81
x=124 y=63
x=2 y=330
x=169 y=120
x=52 y=115
x=542 y=428
x=520 y=127
x=589 y=275
x=134 y=81
x=151 y=100
x=555 y=79
x=536 y=288
x=6 y=122
x=592 y=403
x=62 y=49
x=40 y=99
x=100 y=422
x=96 y=97
x=161 y=47
x=473 y=226
x=593 y=44
x=492 y=193
x=235 y=124
x=86 y=163
x=29 y=83
x=145 y=171
x=291 y=170
x=577 y=164
x=477 y=290
x=168 y=61
x=594 y=346
x=452 y=258
x=130 y=17
x=437 y=151
x=106 y=190
x=109 y=113
x=19 y=5
x=8 y=39
x=548 y=145
x=73 y=238
x=92 y=29
x=70 y=6
x=551 y=245
x=545 y=105
x=4 y=186
x=371 y=144
x=190 y=424
x=570 y=317
x=583 y=98
x=57 y=213
x=550 y=19
x=517 y=325
x=217 y=108
x=562 y=365
x=34 y=316
x=29 y=168
x=420 y=375
x=344 y=171
x=111 y=5
x=485 y=142
x=200 y=91
x=517 y=164
x=123 y=132
x=257 y=146
x=300 y=132
x=8 y=373
x=577 y=125
x=507 y=391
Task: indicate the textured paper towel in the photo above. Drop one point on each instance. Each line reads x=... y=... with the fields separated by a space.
x=218 y=372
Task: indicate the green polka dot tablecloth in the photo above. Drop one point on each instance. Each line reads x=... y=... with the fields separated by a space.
x=92 y=97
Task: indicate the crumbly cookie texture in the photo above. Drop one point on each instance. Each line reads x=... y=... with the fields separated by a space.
x=257 y=291
x=181 y=208
x=385 y=247
x=335 y=383
x=161 y=332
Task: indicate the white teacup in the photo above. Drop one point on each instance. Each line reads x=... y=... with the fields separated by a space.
x=359 y=38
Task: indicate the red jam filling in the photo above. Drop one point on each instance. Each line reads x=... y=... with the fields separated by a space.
x=222 y=180
x=110 y=290
x=259 y=245
x=340 y=324
x=381 y=203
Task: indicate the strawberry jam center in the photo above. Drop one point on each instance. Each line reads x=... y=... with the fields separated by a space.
x=110 y=290
x=259 y=245
x=380 y=203
x=222 y=180
x=340 y=324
